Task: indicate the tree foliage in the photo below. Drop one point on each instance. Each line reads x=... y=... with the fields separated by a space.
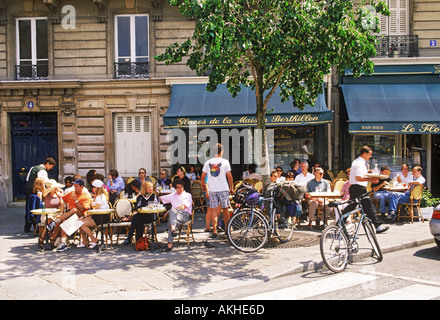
x=265 y=44
x=268 y=43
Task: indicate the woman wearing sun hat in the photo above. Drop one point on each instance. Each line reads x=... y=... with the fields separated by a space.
x=52 y=198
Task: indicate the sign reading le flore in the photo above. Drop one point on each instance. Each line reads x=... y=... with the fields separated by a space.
x=248 y=120
x=397 y=128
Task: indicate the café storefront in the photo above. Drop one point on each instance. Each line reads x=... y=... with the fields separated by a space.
x=203 y=116
x=400 y=121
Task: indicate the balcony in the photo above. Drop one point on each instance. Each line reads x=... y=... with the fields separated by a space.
x=397 y=46
x=132 y=70
x=32 y=72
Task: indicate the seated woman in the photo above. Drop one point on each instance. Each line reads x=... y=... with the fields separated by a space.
x=138 y=220
x=100 y=201
x=52 y=198
x=181 y=210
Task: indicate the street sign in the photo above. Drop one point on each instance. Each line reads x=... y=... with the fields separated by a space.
x=433 y=43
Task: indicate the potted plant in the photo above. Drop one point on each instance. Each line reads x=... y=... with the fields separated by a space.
x=427 y=203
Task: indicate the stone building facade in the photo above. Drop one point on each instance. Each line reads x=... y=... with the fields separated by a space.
x=78 y=82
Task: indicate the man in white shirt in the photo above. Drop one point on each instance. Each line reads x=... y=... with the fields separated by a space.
x=220 y=184
x=405 y=176
x=305 y=176
x=400 y=197
x=359 y=184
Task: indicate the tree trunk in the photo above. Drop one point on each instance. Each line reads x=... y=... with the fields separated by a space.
x=261 y=126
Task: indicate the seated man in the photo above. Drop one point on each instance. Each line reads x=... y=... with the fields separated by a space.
x=380 y=193
x=305 y=176
x=404 y=176
x=315 y=185
x=164 y=182
x=181 y=210
x=78 y=202
x=400 y=197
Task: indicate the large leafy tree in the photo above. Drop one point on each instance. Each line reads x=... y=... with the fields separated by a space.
x=266 y=44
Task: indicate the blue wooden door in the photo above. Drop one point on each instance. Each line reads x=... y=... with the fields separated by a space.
x=33 y=138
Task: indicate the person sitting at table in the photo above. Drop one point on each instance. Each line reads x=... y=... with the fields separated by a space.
x=142 y=176
x=192 y=174
x=318 y=184
x=116 y=185
x=380 y=193
x=52 y=198
x=180 y=174
x=280 y=176
x=78 y=202
x=39 y=188
x=400 y=197
x=345 y=190
x=132 y=188
x=305 y=176
x=164 y=181
x=138 y=220
x=68 y=182
x=99 y=201
x=404 y=175
x=181 y=210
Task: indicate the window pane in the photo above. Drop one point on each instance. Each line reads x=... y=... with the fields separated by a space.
x=141 y=25
x=24 y=30
x=123 y=37
x=41 y=39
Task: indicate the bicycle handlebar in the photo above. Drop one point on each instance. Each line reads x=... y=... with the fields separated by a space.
x=356 y=200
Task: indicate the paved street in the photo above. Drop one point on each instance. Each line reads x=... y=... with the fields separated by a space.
x=207 y=267
x=415 y=277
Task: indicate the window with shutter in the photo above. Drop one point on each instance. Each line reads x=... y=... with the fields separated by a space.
x=397 y=23
x=132 y=143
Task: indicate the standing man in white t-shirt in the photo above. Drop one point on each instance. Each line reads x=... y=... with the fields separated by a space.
x=220 y=185
x=358 y=187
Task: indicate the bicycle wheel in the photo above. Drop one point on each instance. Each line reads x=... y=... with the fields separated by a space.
x=247 y=231
x=284 y=230
x=371 y=235
x=334 y=247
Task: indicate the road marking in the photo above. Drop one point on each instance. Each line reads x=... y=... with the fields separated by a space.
x=413 y=292
x=314 y=288
x=381 y=274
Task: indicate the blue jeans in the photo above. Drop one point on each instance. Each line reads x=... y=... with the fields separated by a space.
x=382 y=196
x=399 y=198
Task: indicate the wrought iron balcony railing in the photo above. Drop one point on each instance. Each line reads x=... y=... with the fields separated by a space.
x=32 y=72
x=397 y=46
x=132 y=70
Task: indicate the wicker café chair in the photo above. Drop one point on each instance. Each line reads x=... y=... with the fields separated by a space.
x=414 y=202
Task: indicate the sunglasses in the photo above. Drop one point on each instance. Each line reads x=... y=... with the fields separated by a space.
x=141 y=172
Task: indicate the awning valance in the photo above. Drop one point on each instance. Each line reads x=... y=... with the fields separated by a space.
x=393 y=108
x=192 y=104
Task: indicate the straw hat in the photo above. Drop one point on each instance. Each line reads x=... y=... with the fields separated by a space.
x=52 y=185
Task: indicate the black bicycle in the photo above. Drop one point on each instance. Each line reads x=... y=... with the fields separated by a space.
x=249 y=229
x=338 y=242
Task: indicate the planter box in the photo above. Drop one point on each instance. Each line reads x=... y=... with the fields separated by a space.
x=427 y=212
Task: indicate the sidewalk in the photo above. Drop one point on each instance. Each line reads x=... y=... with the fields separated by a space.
x=209 y=265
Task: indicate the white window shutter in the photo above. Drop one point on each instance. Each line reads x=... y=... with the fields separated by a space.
x=132 y=144
x=398 y=21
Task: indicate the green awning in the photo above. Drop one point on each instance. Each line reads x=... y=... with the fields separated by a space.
x=393 y=108
x=192 y=104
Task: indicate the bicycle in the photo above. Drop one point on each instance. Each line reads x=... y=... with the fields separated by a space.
x=249 y=229
x=337 y=243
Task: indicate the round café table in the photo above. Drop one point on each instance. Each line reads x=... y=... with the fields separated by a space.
x=47 y=212
x=101 y=212
x=324 y=195
x=154 y=211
